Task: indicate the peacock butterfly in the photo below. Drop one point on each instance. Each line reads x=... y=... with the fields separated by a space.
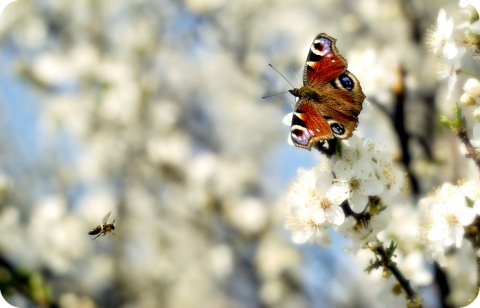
x=329 y=101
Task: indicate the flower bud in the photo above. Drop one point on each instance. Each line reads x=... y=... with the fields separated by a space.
x=476 y=114
x=472 y=87
x=467 y=100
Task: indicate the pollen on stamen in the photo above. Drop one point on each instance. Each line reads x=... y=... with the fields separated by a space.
x=325 y=204
x=432 y=39
x=354 y=184
x=451 y=219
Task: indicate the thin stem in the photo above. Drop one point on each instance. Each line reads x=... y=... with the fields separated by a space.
x=471 y=150
x=388 y=263
x=379 y=251
x=460 y=71
x=472 y=234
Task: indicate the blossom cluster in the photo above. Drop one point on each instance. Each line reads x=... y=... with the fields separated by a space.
x=108 y=138
x=349 y=179
x=355 y=191
x=450 y=209
x=471 y=97
x=444 y=216
x=444 y=42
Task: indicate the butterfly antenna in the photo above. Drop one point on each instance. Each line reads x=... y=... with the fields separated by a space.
x=281 y=74
x=270 y=95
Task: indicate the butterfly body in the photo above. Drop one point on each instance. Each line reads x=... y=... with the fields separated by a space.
x=330 y=99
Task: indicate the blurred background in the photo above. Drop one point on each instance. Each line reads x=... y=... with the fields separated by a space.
x=152 y=110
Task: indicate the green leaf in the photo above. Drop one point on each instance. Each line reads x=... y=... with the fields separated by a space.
x=459 y=120
x=391 y=249
x=338 y=148
x=446 y=122
x=371 y=267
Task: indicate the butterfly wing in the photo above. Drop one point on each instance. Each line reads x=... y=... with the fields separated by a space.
x=330 y=100
x=308 y=125
x=324 y=63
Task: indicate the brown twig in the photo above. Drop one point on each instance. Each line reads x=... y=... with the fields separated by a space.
x=385 y=260
x=472 y=234
x=471 y=150
x=471 y=231
x=392 y=267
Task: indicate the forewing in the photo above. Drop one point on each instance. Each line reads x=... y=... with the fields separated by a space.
x=324 y=63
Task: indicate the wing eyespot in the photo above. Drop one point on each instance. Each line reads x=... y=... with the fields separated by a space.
x=337 y=129
x=344 y=81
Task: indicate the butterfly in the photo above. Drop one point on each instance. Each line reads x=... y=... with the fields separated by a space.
x=330 y=99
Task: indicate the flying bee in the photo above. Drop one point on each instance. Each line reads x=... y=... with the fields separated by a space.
x=104 y=228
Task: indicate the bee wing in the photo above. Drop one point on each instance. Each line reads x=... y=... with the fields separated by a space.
x=104 y=220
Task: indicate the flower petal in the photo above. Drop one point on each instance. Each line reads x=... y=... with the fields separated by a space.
x=343 y=170
x=362 y=168
x=302 y=234
x=466 y=216
x=357 y=202
x=458 y=232
x=335 y=215
x=437 y=233
x=287 y=119
x=450 y=50
x=319 y=217
x=371 y=187
x=475 y=27
x=476 y=135
x=4 y=4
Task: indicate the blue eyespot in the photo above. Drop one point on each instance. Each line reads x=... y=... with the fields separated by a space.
x=337 y=129
x=346 y=81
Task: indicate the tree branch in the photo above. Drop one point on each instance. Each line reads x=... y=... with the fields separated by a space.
x=385 y=255
x=471 y=150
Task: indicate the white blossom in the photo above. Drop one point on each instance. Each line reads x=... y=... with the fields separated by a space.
x=362 y=234
x=444 y=216
x=440 y=39
x=314 y=205
x=474 y=3
x=448 y=69
x=389 y=174
x=471 y=189
x=467 y=100
x=357 y=182
x=475 y=27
